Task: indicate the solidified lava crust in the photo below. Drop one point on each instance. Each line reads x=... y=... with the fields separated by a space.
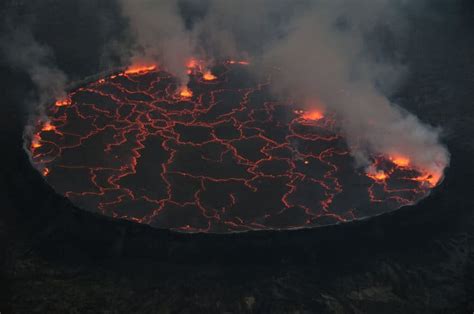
x=227 y=158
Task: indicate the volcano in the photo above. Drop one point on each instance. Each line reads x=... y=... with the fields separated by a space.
x=218 y=155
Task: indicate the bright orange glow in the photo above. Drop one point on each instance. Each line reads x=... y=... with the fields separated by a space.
x=400 y=161
x=192 y=63
x=138 y=69
x=432 y=179
x=313 y=115
x=48 y=127
x=63 y=102
x=45 y=172
x=36 y=142
x=185 y=92
x=243 y=62
x=208 y=76
x=378 y=176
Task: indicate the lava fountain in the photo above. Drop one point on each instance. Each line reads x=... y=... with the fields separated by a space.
x=218 y=155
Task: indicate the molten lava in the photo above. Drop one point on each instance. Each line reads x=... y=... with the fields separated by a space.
x=313 y=115
x=400 y=161
x=36 y=142
x=378 y=175
x=63 y=102
x=45 y=172
x=48 y=127
x=139 y=69
x=192 y=63
x=211 y=157
x=208 y=76
x=242 y=62
x=431 y=179
x=185 y=92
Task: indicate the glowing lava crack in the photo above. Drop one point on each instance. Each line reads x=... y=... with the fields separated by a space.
x=220 y=155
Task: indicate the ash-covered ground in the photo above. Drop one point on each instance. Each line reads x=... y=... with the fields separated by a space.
x=57 y=258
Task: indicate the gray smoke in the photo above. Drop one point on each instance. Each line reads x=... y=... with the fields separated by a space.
x=327 y=53
x=23 y=52
x=324 y=56
x=160 y=34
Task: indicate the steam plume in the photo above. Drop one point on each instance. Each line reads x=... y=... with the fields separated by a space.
x=160 y=34
x=323 y=51
x=22 y=51
x=324 y=57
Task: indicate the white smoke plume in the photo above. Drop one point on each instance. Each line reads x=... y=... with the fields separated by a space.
x=160 y=34
x=324 y=57
x=324 y=54
x=22 y=51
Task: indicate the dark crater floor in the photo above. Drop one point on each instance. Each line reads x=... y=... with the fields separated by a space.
x=229 y=158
